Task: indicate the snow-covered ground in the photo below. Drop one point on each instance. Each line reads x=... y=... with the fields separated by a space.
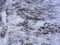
x=30 y=22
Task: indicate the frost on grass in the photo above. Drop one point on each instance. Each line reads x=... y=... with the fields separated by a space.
x=30 y=22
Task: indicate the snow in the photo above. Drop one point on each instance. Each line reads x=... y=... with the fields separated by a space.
x=30 y=22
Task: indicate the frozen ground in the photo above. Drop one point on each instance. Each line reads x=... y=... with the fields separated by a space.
x=30 y=22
